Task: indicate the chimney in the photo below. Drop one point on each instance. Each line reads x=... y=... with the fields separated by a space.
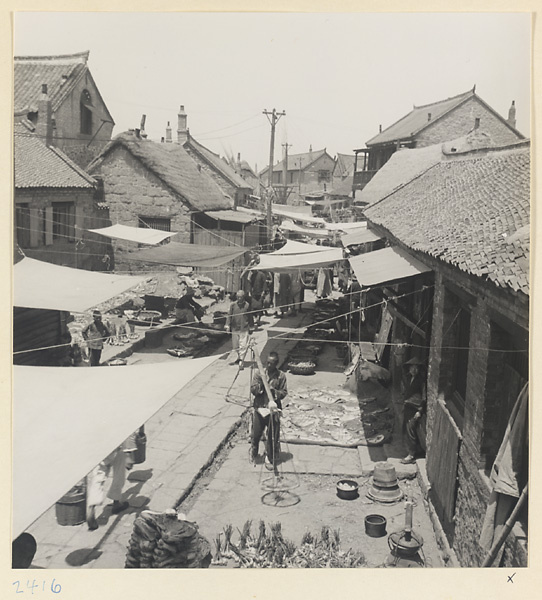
x=182 y=131
x=44 y=124
x=428 y=116
x=168 y=133
x=512 y=114
x=239 y=161
x=476 y=122
x=162 y=139
x=380 y=128
x=142 y=126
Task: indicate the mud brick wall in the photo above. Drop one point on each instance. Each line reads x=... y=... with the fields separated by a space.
x=461 y=120
x=131 y=191
x=473 y=486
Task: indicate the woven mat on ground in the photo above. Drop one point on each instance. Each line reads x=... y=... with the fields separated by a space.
x=331 y=416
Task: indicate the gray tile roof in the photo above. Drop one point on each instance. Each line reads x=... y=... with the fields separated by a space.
x=470 y=210
x=60 y=73
x=41 y=166
x=172 y=164
x=297 y=162
x=416 y=119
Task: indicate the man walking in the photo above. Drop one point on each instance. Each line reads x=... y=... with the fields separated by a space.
x=267 y=411
x=95 y=334
x=240 y=324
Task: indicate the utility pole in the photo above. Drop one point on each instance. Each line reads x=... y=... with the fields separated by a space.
x=275 y=116
x=285 y=171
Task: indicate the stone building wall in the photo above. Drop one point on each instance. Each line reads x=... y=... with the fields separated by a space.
x=461 y=120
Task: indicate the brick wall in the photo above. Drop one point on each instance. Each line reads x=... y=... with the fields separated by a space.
x=461 y=120
x=87 y=250
x=472 y=490
x=67 y=119
x=131 y=191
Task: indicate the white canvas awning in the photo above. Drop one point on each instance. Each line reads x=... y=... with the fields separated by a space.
x=345 y=226
x=141 y=235
x=293 y=262
x=359 y=236
x=67 y=420
x=38 y=284
x=308 y=231
x=388 y=264
x=293 y=247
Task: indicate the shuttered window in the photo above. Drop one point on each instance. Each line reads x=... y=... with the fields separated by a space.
x=63 y=221
x=155 y=223
x=22 y=223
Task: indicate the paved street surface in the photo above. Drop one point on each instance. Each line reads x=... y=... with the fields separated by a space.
x=184 y=438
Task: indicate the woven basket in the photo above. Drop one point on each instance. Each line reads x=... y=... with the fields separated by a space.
x=71 y=508
x=299 y=367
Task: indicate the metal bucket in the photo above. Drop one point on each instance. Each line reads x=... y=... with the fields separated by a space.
x=140 y=453
x=375 y=525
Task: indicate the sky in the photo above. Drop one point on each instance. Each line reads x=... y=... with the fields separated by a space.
x=337 y=76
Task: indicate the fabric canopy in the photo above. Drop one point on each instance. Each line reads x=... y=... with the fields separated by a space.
x=66 y=420
x=141 y=235
x=385 y=265
x=308 y=231
x=286 y=211
x=233 y=216
x=292 y=262
x=345 y=226
x=293 y=247
x=359 y=236
x=188 y=255
x=39 y=284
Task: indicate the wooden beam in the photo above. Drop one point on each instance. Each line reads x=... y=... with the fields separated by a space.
x=399 y=315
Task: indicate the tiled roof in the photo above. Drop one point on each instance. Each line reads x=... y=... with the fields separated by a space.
x=465 y=210
x=405 y=164
x=41 y=166
x=215 y=161
x=60 y=73
x=344 y=165
x=417 y=119
x=298 y=162
x=172 y=164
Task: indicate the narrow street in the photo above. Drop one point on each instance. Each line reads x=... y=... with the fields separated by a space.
x=197 y=460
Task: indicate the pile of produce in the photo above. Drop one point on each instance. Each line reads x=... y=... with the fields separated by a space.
x=269 y=549
x=162 y=541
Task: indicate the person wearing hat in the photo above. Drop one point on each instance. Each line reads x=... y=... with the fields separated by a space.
x=95 y=334
x=413 y=388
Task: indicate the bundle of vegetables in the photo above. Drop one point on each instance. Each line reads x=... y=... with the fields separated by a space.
x=269 y=549
x=162 y=541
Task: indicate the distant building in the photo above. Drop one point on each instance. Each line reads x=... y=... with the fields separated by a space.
x=430 y=124
x=305 y=173
x=82 y=123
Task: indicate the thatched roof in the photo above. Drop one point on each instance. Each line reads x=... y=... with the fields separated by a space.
x=172 y=164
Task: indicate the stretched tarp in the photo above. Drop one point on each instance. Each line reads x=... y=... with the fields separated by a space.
x=291 y=262
x=297 y=215
x=188 y=255
x=308 y=231
x=233 y=216
x=359 y=236
x=385 y=265
x=293 y=247
x=345 y=226
x=65 y=421
x=141 y=235
x=38 y=284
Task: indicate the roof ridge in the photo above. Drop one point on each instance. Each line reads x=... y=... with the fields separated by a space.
x=71 y=164
x=59 y=57
x=469 y=92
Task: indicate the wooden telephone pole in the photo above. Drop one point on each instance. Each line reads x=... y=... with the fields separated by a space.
x=285 y=172
x=273 y=118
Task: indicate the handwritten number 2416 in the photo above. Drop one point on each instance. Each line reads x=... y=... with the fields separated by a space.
x=55 y=587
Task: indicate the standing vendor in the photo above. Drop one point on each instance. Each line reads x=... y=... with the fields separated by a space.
x=95 y=334
x=267 y=411
x=413 y=388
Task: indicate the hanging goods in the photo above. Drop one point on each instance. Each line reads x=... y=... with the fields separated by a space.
x=385 y=486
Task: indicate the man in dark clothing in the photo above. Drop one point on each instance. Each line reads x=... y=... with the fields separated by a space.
x=187 y=310
x=413 y=388
x=95 y=334
x=267 y=412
